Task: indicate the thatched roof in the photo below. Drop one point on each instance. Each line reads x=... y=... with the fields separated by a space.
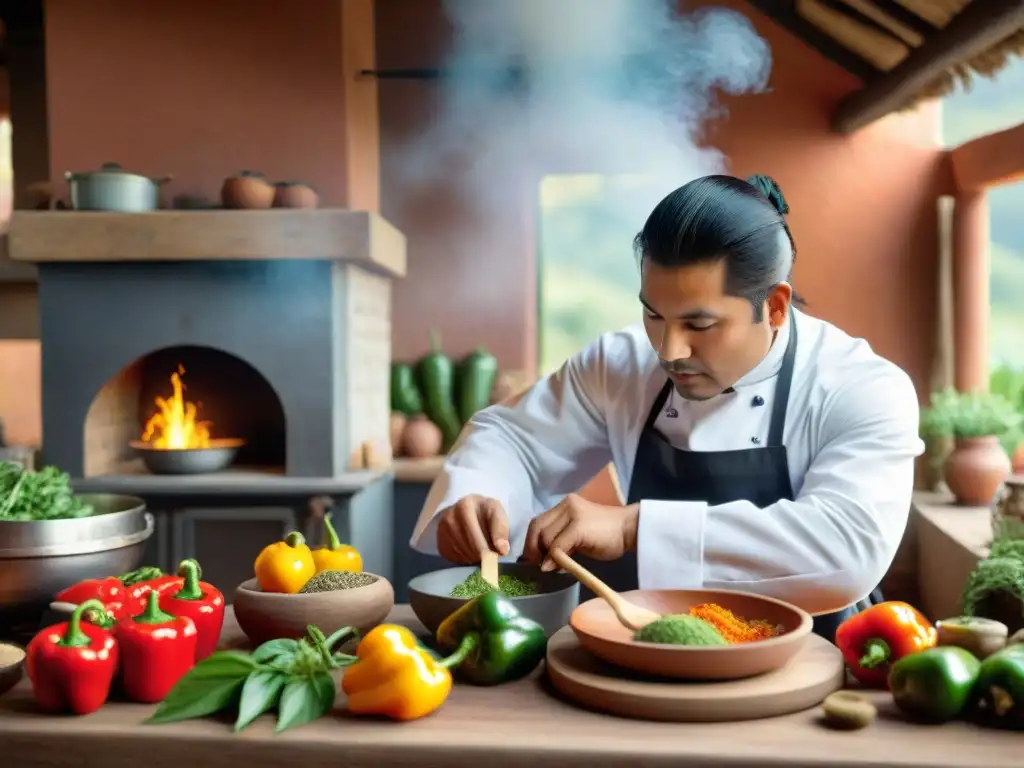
x=909 y=49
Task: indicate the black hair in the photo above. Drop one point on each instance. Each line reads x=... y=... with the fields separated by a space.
x=724 y=218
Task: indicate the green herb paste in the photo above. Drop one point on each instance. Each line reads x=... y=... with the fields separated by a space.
x=509 y=585
x=679 y=630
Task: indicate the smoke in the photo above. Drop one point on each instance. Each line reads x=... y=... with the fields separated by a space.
x=581 y=86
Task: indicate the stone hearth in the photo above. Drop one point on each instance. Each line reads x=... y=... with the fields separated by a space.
x=281 y=321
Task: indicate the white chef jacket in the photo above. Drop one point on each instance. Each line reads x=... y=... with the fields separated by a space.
x=851 y=436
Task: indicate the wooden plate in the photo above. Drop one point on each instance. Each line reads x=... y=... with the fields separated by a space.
x=601 y=633
x=812 y=674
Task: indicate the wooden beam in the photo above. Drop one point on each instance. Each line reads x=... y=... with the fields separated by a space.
x=997 y=158
x=905 y=17
x=782 y=13
x=977 y=28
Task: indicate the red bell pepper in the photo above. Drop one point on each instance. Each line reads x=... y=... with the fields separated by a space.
x=157 y=650
x=108 y=590
x=139 y=592
x=881 y=635
x=72 y=665
x=199 y=601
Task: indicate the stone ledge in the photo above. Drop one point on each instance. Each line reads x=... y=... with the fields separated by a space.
x=951 y=541
x=328 y=234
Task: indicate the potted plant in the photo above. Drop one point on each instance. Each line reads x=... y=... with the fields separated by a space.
x=977 y=466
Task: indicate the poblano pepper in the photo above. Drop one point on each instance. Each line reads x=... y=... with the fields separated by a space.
x=490 y=641
x=936 y=684
x=1000 y=688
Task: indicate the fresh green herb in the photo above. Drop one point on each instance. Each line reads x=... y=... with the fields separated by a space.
x=991 y=577
x=42 y=495
x=331 y=581
x=509 y=585
x=679 y=629
x=291 y=676
x=145 y=573
x=968 y=414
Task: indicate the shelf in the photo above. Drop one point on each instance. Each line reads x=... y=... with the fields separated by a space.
x=329 y=234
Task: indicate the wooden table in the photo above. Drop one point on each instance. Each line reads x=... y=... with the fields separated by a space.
x=515 y=725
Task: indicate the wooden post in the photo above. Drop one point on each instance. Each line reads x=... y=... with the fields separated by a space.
x=971 y=290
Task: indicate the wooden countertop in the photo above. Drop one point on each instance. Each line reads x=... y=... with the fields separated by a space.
x=507 y=727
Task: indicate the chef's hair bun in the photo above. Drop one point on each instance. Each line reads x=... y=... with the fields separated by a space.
x=768 y=188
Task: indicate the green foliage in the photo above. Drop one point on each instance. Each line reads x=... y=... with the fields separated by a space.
x=966 y=414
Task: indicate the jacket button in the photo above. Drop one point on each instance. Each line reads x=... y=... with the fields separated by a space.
x=757 y=401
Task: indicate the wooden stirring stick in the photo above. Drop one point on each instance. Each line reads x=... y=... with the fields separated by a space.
x=489 y=567
x=630 y=616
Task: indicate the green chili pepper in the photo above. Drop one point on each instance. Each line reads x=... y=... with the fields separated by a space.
x=436 y=376
x=999 y=693
x=476 y=375
x=405 y=396
x=490 y=641
x=936 y=684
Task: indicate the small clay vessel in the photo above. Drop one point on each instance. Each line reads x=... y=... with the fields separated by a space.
x=421 y=439
x=295 y=194
x=976 y=469
x=247 y=190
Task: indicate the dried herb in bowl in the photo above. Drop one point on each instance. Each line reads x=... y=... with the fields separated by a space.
x=679 y=629
x=332 y=581
x=509 y=585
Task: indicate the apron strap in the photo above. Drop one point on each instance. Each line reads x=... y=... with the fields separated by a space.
x=782 y=386
x=659 y=403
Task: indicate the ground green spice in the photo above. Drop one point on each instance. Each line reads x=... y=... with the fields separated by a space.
x=332 y=581
x=475 y=585
x=679 y=630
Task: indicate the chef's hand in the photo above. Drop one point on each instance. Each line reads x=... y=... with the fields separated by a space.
x=578 y=525
x=469 y=526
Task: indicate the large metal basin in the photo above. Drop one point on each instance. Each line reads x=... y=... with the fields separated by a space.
x=40 y=558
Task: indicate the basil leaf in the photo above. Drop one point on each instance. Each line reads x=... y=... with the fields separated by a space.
x=209 y=687
x=304 y=699
x=279 y=651
x=260 y=693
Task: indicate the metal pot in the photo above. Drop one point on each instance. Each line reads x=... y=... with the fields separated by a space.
x=40 y=558
x=114 y=189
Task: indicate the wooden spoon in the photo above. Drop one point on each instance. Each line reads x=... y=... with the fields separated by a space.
x=631 y=616
x=489 y=567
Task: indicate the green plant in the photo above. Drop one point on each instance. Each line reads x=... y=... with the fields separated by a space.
x=1009 y=382
x=969 y=414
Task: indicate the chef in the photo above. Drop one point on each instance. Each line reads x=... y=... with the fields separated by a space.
x=765 y=449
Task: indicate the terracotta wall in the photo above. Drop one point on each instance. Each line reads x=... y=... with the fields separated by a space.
x=199 y=90
x=863 y=207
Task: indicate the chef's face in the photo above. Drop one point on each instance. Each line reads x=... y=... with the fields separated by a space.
x=706 y=339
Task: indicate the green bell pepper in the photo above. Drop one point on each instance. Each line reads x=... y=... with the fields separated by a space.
x=936 y=684
x=999 y=692
x=490 y=642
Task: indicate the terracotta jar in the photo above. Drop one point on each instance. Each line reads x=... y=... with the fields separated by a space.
x=1017 y=460
x=295 y=194
x=976 y=469
x=247 y=190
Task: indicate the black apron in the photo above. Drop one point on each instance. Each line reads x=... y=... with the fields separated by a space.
x=758 y=475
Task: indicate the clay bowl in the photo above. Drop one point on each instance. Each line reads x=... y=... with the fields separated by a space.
x=267 y=616
x=430 y=595
x=601 y=634
x=12 y=662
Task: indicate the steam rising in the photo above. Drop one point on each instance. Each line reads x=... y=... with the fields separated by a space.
x=582 y=86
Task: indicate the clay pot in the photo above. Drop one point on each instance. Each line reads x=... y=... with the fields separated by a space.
x=976 y=469
x=1017 y=460
x=421 y=438
x=247 y=190
x=295 y=194
x=397 y=429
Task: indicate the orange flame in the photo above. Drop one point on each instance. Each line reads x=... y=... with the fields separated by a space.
x=174 y=426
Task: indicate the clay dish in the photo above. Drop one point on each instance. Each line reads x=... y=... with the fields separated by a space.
x=601 y=633
x=12 y=662
x=430 y=595
x=269 y=615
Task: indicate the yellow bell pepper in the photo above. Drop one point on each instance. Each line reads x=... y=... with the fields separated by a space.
x=285 y=566
x=394 y=677
x=335 y=556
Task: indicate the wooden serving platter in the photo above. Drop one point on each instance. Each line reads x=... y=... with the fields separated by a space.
x=815 y=672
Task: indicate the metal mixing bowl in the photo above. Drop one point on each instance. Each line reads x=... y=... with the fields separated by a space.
x=40 y=558
x=188 y=461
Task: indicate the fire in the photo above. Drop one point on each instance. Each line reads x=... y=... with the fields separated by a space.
x=174 y=426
